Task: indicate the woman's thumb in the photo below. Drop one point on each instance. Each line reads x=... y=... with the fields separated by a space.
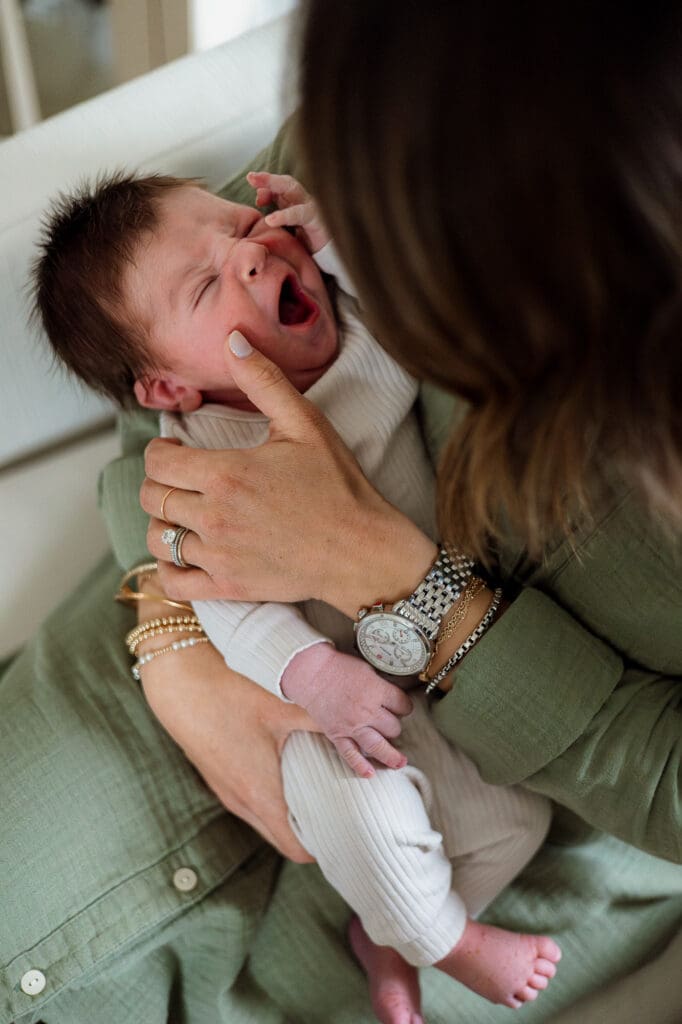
x=265 y=385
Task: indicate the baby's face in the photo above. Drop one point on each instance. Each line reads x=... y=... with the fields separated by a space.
x=211 y=267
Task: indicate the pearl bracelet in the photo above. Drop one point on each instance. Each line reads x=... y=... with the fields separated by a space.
x=176 y=646
x=161 y=631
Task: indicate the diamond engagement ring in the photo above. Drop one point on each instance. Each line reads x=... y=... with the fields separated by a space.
x=174 y=537
x=168 y=536
x=176 y=548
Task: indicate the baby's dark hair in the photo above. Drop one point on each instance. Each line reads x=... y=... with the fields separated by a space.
x=88 y=240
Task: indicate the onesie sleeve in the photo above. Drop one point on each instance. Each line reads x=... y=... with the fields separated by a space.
x=257 y=640
x=329 y=261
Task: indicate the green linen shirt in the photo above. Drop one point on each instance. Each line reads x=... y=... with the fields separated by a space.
x=575 y=691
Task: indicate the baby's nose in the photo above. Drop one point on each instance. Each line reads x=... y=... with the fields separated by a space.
x=250 y=259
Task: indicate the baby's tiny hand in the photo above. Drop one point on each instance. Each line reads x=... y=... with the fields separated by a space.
x=296 y=207
x=355 y=708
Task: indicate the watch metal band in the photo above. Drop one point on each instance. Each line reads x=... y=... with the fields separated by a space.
x=437 y=592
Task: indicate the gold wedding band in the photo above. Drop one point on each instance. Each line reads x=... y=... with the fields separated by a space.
x=162 y=516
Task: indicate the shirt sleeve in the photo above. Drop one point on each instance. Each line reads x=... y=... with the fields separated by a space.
x=541 y=700
x=119 y=489
x=257 y=640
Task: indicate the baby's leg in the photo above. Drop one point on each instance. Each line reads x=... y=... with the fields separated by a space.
x=373 y=841
x=489 y=832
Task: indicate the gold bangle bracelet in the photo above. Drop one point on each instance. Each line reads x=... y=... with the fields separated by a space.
x=126 y=595
x=138 y=570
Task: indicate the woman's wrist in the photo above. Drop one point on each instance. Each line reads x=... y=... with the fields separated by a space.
x=484 y=601
x=383 y=567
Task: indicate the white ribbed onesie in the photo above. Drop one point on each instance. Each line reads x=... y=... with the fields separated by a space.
x=414 y=850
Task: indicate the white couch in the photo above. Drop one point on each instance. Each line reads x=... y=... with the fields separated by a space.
x=203 y=115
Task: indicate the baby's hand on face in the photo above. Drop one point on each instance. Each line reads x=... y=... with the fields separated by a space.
x=355 y=708
x=295 y=207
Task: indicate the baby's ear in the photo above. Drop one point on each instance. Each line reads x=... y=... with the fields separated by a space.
x=158 y=393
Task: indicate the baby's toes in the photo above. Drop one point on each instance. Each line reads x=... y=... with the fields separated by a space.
x=544 y=967
x=527 y=994
x=548 y=949
x=513 y=1003
x=538 y=981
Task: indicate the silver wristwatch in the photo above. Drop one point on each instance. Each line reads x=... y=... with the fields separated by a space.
x=400 y=641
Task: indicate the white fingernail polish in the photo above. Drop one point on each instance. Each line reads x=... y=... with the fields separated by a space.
x=239 y=346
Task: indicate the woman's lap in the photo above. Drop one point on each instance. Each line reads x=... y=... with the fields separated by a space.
x=100 y=808
x=611 y=907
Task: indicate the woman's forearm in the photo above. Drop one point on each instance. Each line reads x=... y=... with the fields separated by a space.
x=230 y=729
x=544 y=701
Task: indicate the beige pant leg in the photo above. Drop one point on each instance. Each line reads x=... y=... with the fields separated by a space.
x=374 y=843
x=489 y=832
x=386 y=843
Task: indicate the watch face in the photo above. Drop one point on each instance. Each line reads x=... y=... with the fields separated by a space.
x=392 y=644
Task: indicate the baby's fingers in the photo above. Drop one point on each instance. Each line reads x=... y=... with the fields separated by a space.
x=377 y=747
x=282 y=186
x=353 y=756
x=291 y=216
x=264 y=197
x=386 y=723
x=397 y=701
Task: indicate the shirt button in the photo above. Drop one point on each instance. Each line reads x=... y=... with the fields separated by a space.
x=185 y=879
x=33 y=983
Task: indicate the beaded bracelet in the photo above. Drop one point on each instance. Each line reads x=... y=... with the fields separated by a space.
x=167 y=620
x=162 y=631
x=178 y=645
x=466 y=646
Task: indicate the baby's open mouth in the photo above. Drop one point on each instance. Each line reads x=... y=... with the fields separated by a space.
x=295 y=308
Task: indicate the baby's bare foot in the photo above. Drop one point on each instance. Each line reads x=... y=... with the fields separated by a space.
x=393 y=983
x=502 y=966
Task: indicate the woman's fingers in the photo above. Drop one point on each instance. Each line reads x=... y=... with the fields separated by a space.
x=171 y=465
x=290 y=414
x=180 y=507
x=276 y=831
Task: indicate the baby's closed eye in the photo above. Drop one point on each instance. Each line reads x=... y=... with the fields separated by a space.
x=204 y=288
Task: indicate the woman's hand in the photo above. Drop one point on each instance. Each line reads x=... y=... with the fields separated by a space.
x=230 y=729
x=292 y=519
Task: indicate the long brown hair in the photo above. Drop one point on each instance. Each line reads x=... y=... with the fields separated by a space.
x=504 y=182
